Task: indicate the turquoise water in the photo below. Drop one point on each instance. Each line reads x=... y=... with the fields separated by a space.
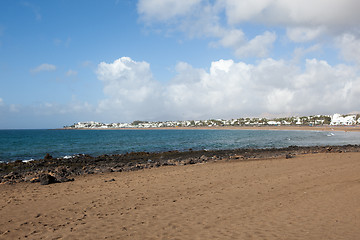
x=34 y=144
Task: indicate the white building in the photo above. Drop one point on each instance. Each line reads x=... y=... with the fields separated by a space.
x=273 y=123
x=337 y=119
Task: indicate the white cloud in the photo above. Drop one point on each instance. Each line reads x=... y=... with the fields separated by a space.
x=129 y=87
x=226 y=20
x=43 y=67
x=235 y=39
x=163 y=10
x=70 y=73
x=331 y=13
x=258 y=46
x=279 y=100
x=240 y=11
x=303 y=21
x=201 y=18
x=229 y=89
x=350 y=47
x=271 y=86
x=304 y=34
x=300 y=52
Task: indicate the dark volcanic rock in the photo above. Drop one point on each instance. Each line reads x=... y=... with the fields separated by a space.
x=192 y=161
x=50 y=170
x=46 y=179
x=64 y=179
x=48 y=156
x=111 y=180
x=12 y=176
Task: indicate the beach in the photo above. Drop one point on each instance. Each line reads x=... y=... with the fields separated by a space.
x=310 y=194
x=180 y=120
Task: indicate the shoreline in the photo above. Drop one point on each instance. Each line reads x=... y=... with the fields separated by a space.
x=56 y=170
x=352 y=128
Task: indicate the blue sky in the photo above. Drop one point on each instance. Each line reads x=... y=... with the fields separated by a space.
x=118 y=61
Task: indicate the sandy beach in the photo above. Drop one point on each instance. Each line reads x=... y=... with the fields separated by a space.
x=311 y=196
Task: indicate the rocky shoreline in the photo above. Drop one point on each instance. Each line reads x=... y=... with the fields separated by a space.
x=56 y=170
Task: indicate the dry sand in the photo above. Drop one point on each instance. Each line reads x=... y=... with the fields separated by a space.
x=314 y=196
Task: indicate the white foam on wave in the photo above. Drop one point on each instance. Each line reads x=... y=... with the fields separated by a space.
x=28 y=160
x=73 y=156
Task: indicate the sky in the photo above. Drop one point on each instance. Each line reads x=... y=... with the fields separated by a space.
x=65 y=61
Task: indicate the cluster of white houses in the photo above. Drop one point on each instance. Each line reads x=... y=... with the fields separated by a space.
x=336 y=119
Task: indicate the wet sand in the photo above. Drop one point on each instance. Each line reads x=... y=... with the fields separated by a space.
x=311 y=196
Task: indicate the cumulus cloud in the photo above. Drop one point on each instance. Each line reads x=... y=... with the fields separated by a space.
x=45 y=67
x=129 y=87
x=228 y=89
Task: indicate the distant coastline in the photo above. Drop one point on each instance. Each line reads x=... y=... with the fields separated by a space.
x=314 y=122
x=350 y=128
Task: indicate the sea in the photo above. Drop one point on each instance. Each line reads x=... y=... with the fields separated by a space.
x=28 y=145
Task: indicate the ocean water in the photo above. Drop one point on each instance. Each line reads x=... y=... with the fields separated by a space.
x=34 y=144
